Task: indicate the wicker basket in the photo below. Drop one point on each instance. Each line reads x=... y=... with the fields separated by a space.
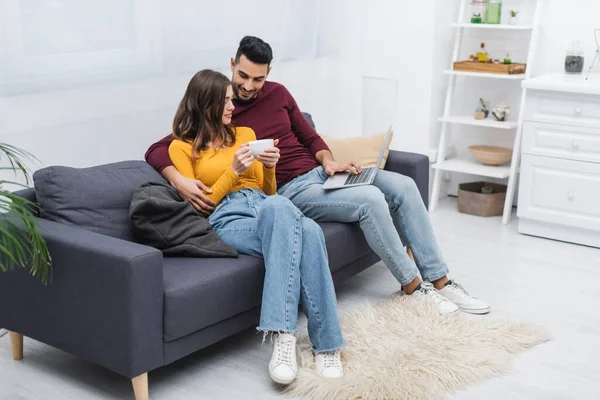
x=472 y=201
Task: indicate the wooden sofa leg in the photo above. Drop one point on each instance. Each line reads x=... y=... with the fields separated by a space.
x=140 y=387
x=410 y=253
x=16 y=340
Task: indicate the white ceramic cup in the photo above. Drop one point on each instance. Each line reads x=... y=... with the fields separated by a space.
x=259 y=146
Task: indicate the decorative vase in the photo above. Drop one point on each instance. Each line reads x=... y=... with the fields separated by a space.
x=513 y=20
x=501 y=112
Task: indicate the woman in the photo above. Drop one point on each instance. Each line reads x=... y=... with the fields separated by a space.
x=251 y=217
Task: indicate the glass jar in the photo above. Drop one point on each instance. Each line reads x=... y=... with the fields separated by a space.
x=478 y=11
x=574 y=59
x=493 y=12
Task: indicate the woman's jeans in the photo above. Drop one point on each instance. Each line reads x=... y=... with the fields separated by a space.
x=295 y=255
x=390 y=212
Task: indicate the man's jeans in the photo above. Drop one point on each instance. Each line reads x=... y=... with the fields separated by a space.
x=295 y=255
x=390 y=212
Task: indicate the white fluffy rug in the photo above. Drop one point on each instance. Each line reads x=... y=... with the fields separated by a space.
x=403 y=349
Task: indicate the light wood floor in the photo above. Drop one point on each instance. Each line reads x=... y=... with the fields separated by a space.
x=524 y=278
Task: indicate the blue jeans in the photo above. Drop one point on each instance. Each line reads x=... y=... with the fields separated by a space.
x=390 y=212
x=297 y=268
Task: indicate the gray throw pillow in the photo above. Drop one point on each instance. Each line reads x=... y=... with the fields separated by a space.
x=96 y=198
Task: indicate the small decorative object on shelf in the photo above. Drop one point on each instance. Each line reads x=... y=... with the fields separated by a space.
x=514 y=17
x=501 y=112
x=478 y=11
x=484 y=199
x=507 y=59
x=483 y=109
x=482 y=55
x=493 y=12
x=574 y=59
x=491 y=155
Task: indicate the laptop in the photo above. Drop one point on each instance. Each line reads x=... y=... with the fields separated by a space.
x=366 y=177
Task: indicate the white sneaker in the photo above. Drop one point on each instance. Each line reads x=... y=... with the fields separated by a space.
x=444 y=305
x=283 y=366
x=329 y=364
x=459 y=296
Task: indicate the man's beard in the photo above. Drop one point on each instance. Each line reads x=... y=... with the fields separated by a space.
x=240 y=99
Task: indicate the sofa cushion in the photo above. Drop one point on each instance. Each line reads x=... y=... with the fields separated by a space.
x=200 y=292
x=96 y=198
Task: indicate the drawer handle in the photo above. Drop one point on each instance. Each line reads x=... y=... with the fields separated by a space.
x=577 y=110
x=575 y=143
x=571 y=195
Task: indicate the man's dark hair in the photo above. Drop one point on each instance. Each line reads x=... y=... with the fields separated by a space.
x=255 y=49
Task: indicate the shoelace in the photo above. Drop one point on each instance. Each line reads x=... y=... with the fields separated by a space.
x=285 y=348
x=428 y=288
x=457 y=287
x=331 y=359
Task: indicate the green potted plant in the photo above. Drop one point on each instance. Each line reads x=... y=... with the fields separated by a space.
x=21 y=245
x=513 y=20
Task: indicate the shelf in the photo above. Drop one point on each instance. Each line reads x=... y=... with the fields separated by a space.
x=485 y=75
x=473 y=168
x=488 y=123
x=504 y=27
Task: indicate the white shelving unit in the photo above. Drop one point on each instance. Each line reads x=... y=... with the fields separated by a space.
x=469 y=120
x=515 y=77
x=475 y=168
x=469 y=166
x=468 y=25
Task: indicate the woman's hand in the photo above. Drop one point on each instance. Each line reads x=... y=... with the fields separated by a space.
x=242 y=160
x=270 y=156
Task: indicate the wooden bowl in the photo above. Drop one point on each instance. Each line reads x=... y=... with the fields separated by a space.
x=491 y=155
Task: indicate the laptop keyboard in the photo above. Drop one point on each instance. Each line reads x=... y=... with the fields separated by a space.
x=363 y=177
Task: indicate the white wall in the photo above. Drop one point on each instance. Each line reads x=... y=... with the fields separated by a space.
x=87 y=83
x=398 y=46
x=562 y=23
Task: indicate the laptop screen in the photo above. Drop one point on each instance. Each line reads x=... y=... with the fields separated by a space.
x=384 y=146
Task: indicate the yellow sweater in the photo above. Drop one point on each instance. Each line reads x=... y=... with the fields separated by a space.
x=213 y=167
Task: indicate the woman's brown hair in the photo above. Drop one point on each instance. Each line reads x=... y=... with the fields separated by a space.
x=199 y=118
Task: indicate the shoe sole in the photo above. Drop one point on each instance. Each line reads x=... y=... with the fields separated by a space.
x=281 y=381
x=451 y=312
x=476 y=311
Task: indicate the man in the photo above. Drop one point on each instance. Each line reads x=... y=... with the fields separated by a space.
x=306 y=162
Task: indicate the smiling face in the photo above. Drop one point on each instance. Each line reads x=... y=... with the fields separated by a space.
x=248 y=78
x=228 y=110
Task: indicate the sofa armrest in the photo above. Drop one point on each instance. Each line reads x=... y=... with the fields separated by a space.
x=414 y=165
x=104 y=302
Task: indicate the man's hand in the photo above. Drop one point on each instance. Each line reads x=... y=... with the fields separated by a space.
x=270 y=156
x=192 y=191
x=332 y=166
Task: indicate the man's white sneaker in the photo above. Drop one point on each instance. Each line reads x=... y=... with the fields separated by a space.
x=427 y=290
x=329 y=364
x=459 y=296
x=283 y=366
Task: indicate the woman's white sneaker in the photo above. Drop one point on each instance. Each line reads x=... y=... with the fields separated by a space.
x=426 y=289
x=459 y=296
x=329 y=364
x=283 y=366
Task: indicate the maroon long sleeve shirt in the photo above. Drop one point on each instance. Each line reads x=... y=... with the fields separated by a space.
x=273 y=114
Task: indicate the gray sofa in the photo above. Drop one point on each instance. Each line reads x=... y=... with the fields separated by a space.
x=124 y=306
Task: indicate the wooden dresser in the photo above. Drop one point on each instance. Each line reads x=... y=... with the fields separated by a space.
x=559 y=189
